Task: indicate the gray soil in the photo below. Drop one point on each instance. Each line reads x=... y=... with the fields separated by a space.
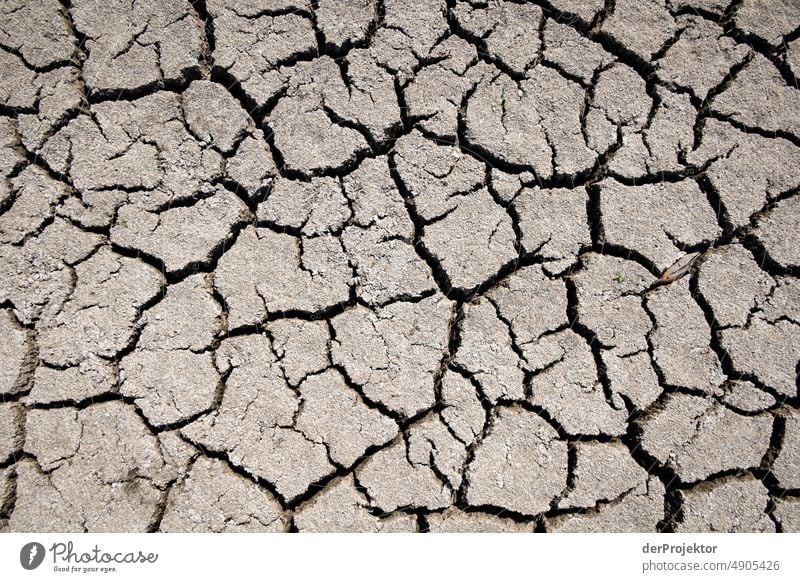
x=386 y=266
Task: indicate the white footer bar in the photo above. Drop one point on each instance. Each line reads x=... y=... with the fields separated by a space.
x=390 y=557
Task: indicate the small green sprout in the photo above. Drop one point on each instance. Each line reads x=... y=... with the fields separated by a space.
x=618 y=278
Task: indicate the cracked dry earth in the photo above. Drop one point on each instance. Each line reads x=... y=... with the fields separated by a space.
x=372 y=265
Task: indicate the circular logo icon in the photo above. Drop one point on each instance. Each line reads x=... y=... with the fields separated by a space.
x=31 y=555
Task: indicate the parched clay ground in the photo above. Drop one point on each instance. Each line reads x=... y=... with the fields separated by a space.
x=375 y=265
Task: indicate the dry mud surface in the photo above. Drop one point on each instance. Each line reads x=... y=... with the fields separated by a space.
x=373 y=265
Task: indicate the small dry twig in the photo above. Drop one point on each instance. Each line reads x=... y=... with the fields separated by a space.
x=679 y=268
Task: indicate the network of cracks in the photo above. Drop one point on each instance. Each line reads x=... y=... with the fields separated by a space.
x=373 y=265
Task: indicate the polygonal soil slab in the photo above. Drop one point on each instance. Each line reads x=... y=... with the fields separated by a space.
x=521 y=465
